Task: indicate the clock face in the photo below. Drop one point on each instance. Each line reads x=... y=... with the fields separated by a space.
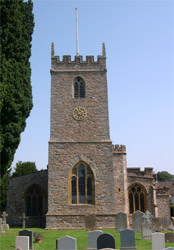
x=79 y=113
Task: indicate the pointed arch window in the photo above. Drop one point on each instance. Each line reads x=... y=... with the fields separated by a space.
x=137 y=198
x=79 y=88
x=82 y=184
x=34 y=201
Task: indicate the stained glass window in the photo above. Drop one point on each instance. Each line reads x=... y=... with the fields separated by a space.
x=34 y=201
x=137 y=198
x=82 y=185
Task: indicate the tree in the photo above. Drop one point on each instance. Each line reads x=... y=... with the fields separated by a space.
x=24 y=168
x=165 y=176
x=17 y=24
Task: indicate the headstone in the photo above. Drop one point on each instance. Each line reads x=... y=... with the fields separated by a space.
x=121 y=221
x=165 y=223
x=157 y=224
x=158 y=242
x=169 y=248
x=4 y=221
x=137 y=221
x=22 y=242
x=66 y=243
x=23 y=219
x=169 y=237
x=147 y=226
x=171 y=228
x=92 y=239
x=29 y=234
x=127 y=238
x=105 y=241
x=1 y=227
x=90 y=221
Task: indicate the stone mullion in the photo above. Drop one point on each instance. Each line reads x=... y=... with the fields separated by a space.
x=133 y=202
x=139 y=203
x=77 y=186
x=86 y=185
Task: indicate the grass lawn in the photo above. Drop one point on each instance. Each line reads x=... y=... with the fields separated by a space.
x=7 y=240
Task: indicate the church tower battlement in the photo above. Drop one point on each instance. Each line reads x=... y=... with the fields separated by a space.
x=78 y=63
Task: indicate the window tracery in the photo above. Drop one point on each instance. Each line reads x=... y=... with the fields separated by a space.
x=34 y=201
x=137 y=198
x=82 y=184
x=79 y=88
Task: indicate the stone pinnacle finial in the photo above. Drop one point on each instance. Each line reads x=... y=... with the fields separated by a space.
x=103 y=49
x=52 y=49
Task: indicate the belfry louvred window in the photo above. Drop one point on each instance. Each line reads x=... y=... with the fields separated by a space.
x=79 y=88
x=137 y=198
x=82 y=184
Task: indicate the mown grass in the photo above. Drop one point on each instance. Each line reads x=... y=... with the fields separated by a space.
x=7 y=240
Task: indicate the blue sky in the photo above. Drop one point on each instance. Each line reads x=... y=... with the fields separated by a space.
x=139 y=39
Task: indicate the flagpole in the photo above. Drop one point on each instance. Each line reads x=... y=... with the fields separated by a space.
x=77 y=36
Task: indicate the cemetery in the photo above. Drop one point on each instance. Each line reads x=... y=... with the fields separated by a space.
x=143 y=234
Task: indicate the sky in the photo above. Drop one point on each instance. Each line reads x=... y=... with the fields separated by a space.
x=139 y=40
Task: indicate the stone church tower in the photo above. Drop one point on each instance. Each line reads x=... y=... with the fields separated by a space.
x=86 y=173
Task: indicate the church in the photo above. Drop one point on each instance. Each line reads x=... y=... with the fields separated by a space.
x=87 y=178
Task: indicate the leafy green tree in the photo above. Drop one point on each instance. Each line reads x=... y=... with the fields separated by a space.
x=17 y=24
x=165 y=176
x=24 y=168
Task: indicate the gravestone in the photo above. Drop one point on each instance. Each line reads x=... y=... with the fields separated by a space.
x=23 y=219
x=121 y=221
x=158 y=242
x=29 y=234
x=137 y=221
x=22 y=242
x=90 y=221
x=92 y=239
x=157 y=224
x=66 y=243
x=147 y=226
x=165 y=223
x=105 y=241
x=4 y=221
x=1 y=227
x=127 y=238
x=169 y=248
x=169 y=237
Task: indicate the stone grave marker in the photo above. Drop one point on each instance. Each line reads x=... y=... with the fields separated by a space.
x=157 y=224
x=23 y=219
x=127 y=238
x=158 y=242
x=4 y=221
x=29 y=234
x=121 y=221
x=90 y=221
x=92 y=239
x=147 y=226
x=137 y=221
x=66 y=243
x=169 y=237
x=1 y=227
x=22 y=242
x=165 y=223
x=169 y=248
x=105 y=241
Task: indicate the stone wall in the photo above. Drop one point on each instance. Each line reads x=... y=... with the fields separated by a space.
x=146 y=179
x=16 y=198
x=163 y=202
x=63 y=158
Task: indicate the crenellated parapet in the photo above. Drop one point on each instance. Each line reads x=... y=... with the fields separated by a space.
x=118 y=149
x=78 y=63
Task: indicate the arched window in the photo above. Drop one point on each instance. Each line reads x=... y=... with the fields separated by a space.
x=79 y=88
x=82 y=184
x=137 y=198
x=34 y=201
